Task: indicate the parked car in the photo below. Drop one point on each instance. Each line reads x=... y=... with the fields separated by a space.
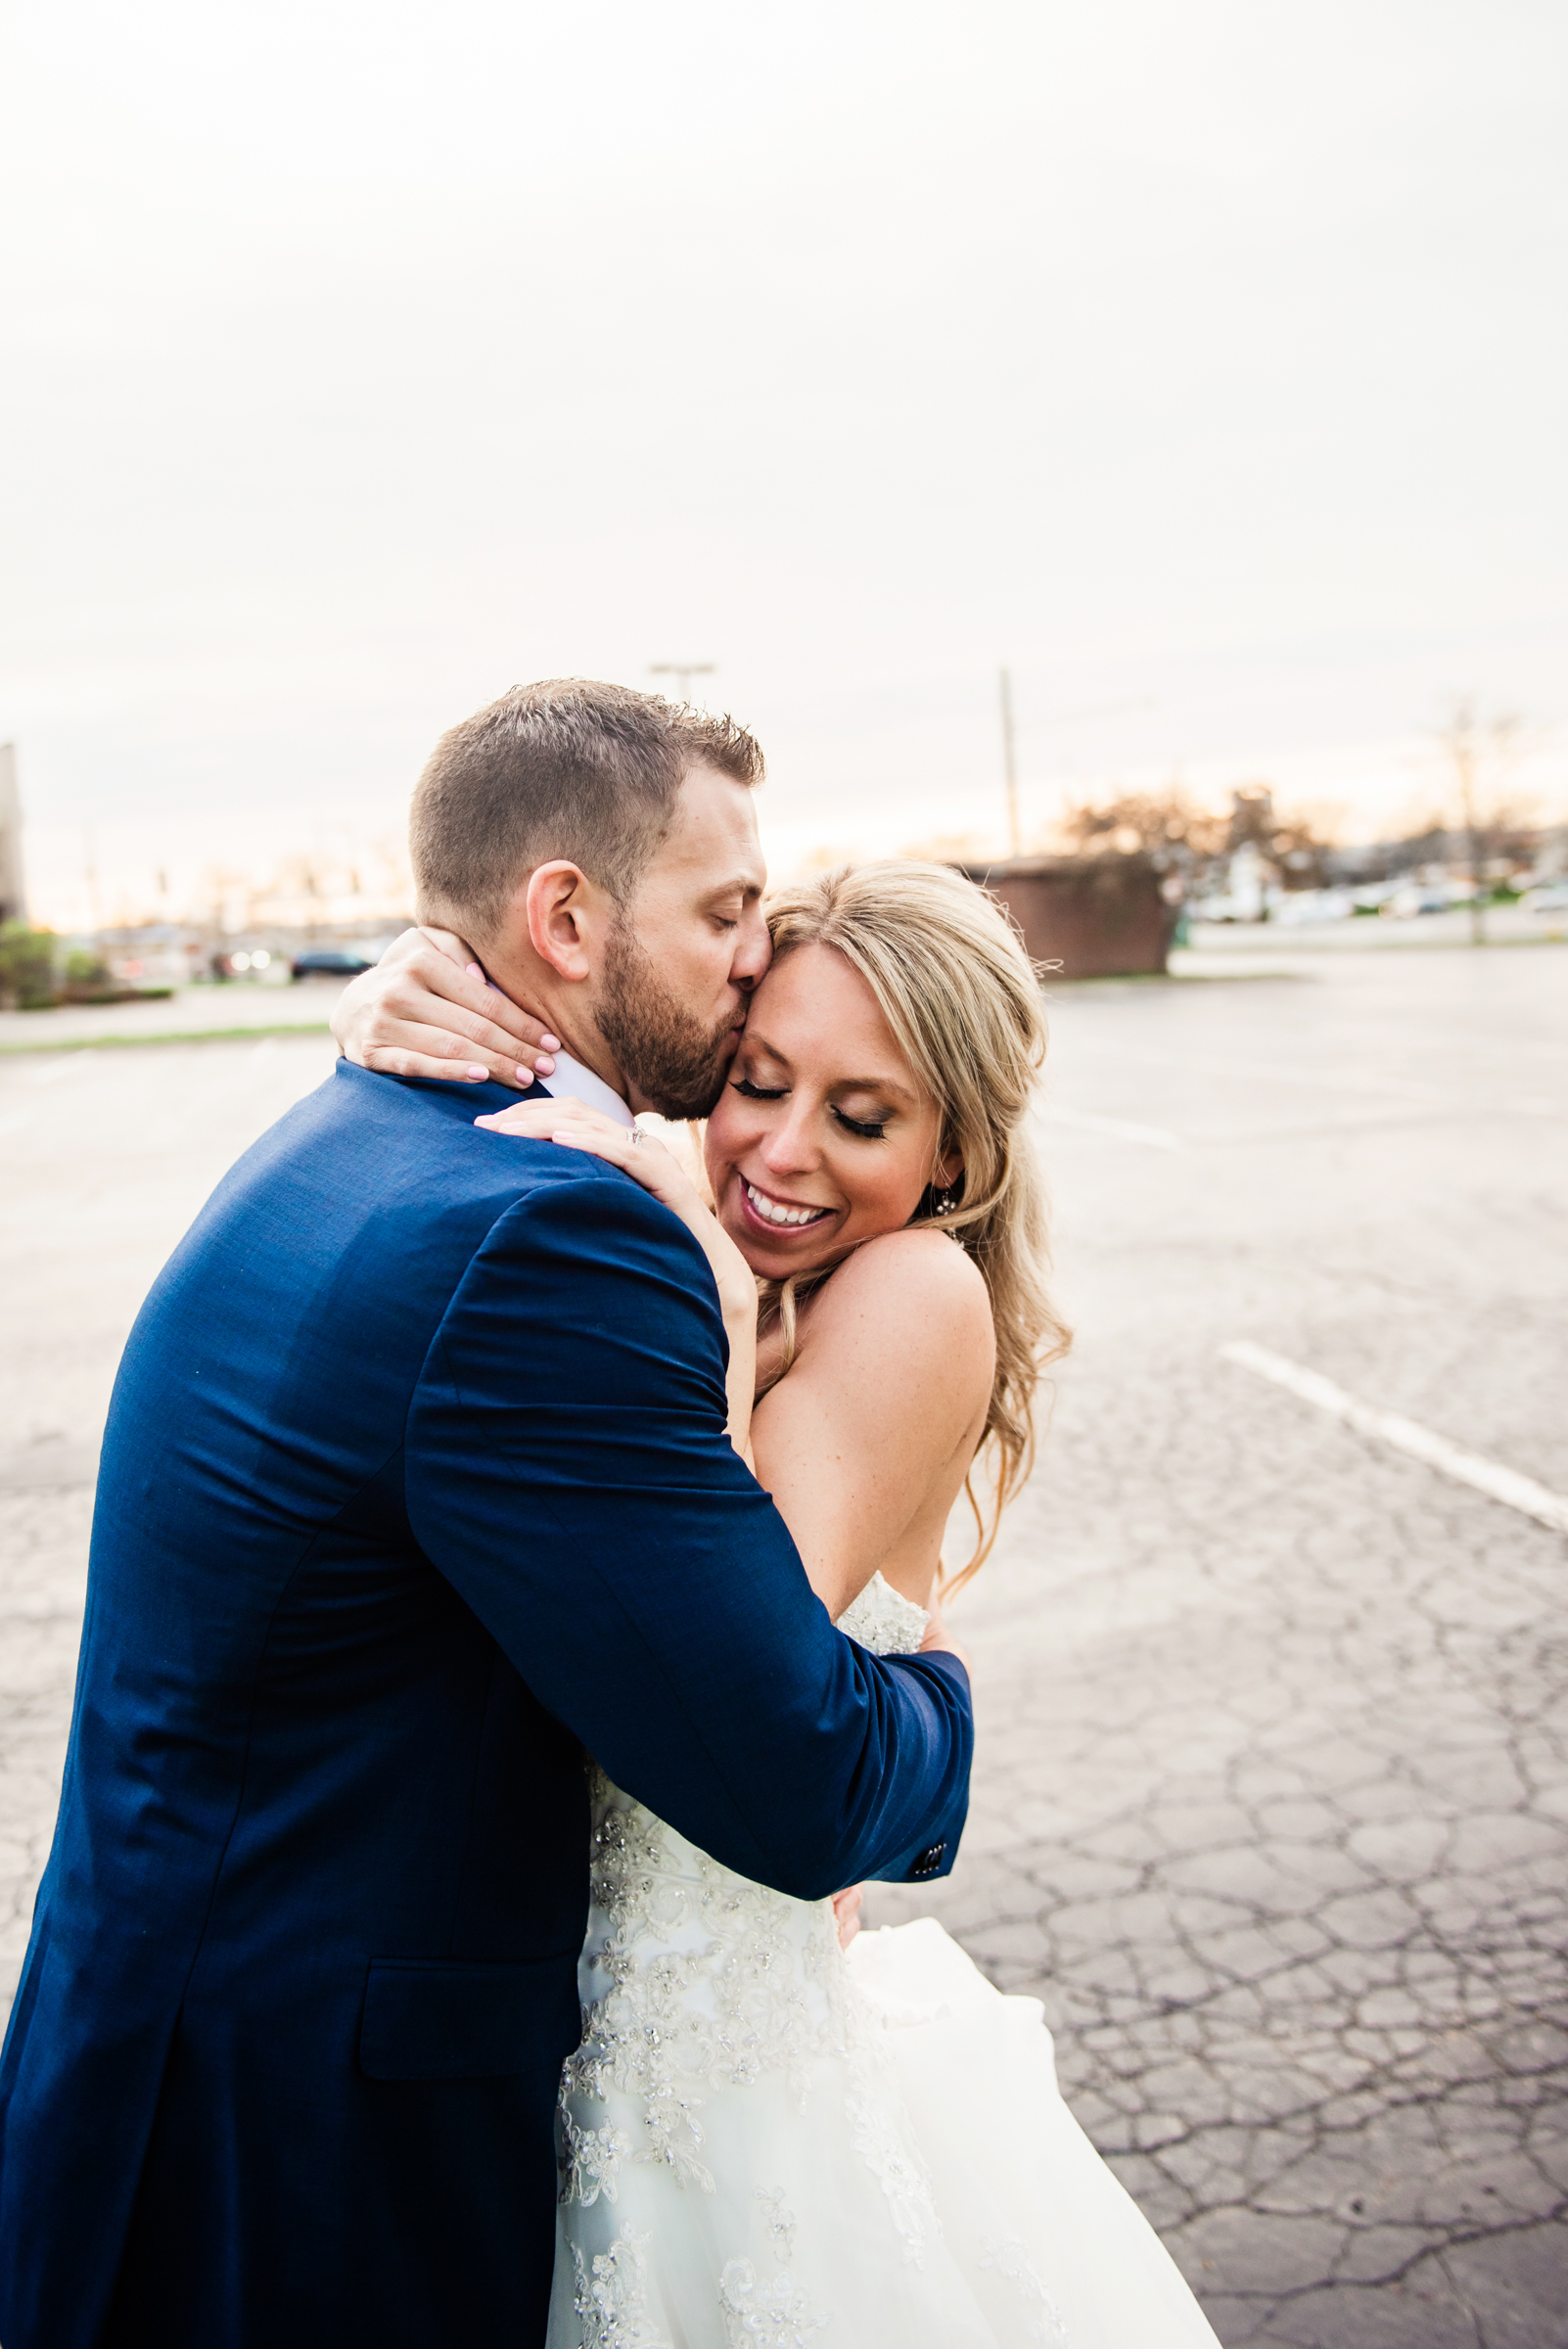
x=256 y=964
x=329 y=962
x=1406 y=902
x=1547 y=897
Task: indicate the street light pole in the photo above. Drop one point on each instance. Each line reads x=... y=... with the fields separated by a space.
x=1009 y=763
x=681 y=670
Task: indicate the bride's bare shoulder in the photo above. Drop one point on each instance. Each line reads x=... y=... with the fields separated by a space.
x=918 y=1288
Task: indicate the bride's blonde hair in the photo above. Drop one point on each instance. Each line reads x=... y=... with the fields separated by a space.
x=963 y=999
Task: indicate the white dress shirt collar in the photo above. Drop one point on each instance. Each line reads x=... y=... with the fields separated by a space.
x=572 y=1082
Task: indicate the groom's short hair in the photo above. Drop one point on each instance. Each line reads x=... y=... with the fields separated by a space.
x=563 y=768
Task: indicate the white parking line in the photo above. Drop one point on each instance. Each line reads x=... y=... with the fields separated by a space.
x=1116 y=1129
x=1404 y=1435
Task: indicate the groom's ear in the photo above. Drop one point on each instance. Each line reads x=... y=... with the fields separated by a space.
x=566 y=918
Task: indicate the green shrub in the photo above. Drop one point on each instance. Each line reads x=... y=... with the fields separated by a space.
x=26 y=967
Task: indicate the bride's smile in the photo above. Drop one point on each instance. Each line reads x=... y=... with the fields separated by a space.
x=822 y=1137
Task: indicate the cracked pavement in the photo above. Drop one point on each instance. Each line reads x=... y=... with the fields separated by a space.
x=1271 y=1802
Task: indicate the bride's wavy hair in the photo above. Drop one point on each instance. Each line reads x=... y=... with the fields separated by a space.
x=952 y=981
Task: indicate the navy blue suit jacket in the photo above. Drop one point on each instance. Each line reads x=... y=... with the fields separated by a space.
x=415 y=1485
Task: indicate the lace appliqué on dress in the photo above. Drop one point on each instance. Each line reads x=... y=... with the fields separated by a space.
x=697 y=1982
x=1009 y=2258
x=766 y=2315
x=770 y=2315
x=611 y=2298
x=778 y=2220
x=593 y=2159
x=704 y=1988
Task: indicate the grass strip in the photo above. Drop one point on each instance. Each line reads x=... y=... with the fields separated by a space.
x=1282 y=942
x=1054 y=983
x=172 y=1036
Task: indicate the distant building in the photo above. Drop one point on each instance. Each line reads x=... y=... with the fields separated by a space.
x=1091 y=917
x=12 y=895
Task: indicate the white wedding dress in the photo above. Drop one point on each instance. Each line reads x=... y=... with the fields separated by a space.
x=770 y=2143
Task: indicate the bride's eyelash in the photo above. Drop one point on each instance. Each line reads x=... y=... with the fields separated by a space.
x=869 y=1129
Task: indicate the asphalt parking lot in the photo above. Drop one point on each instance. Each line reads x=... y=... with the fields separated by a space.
x=1272 y=1808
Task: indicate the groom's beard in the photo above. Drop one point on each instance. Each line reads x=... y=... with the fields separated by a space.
x=675 y=1062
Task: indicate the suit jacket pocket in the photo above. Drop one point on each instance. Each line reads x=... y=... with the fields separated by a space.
x=442 y=2019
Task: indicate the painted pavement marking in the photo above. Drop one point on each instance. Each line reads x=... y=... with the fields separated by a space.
x=1498 y=1483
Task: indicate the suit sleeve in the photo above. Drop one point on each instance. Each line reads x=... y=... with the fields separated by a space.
x=568 y=1470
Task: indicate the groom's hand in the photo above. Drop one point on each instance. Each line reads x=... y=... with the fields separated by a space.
x=936 y=1639
x=428 y=1010
x=847 y=1913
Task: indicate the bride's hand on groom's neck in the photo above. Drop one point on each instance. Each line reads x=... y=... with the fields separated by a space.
x=426 y=1010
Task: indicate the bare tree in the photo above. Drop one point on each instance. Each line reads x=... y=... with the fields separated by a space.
x=1192 y=842
x=1166 y=826
x=1289 y=844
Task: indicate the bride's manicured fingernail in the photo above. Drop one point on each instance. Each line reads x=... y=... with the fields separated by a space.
x=544 y=1064
x=549 y=1043
x=475 y=1075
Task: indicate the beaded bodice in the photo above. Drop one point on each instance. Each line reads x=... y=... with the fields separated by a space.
x=694 y=1979
x=733 y=2062
x=883 y=1620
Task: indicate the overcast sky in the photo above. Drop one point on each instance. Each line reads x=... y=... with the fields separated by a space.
x=1205 y=362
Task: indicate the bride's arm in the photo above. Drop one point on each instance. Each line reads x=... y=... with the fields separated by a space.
x=428 y=1010
x=878 y=1418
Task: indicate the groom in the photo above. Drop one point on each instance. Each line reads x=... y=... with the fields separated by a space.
x=415 y=1486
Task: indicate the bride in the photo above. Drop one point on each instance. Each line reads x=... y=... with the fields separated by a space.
x=768 y=2135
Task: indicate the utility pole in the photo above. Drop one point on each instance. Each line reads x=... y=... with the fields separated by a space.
x=1059 y=718
x=1477 y=750
x=1462 y=750
x=1010 y=765
x=90 y=872
x=682 y=671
